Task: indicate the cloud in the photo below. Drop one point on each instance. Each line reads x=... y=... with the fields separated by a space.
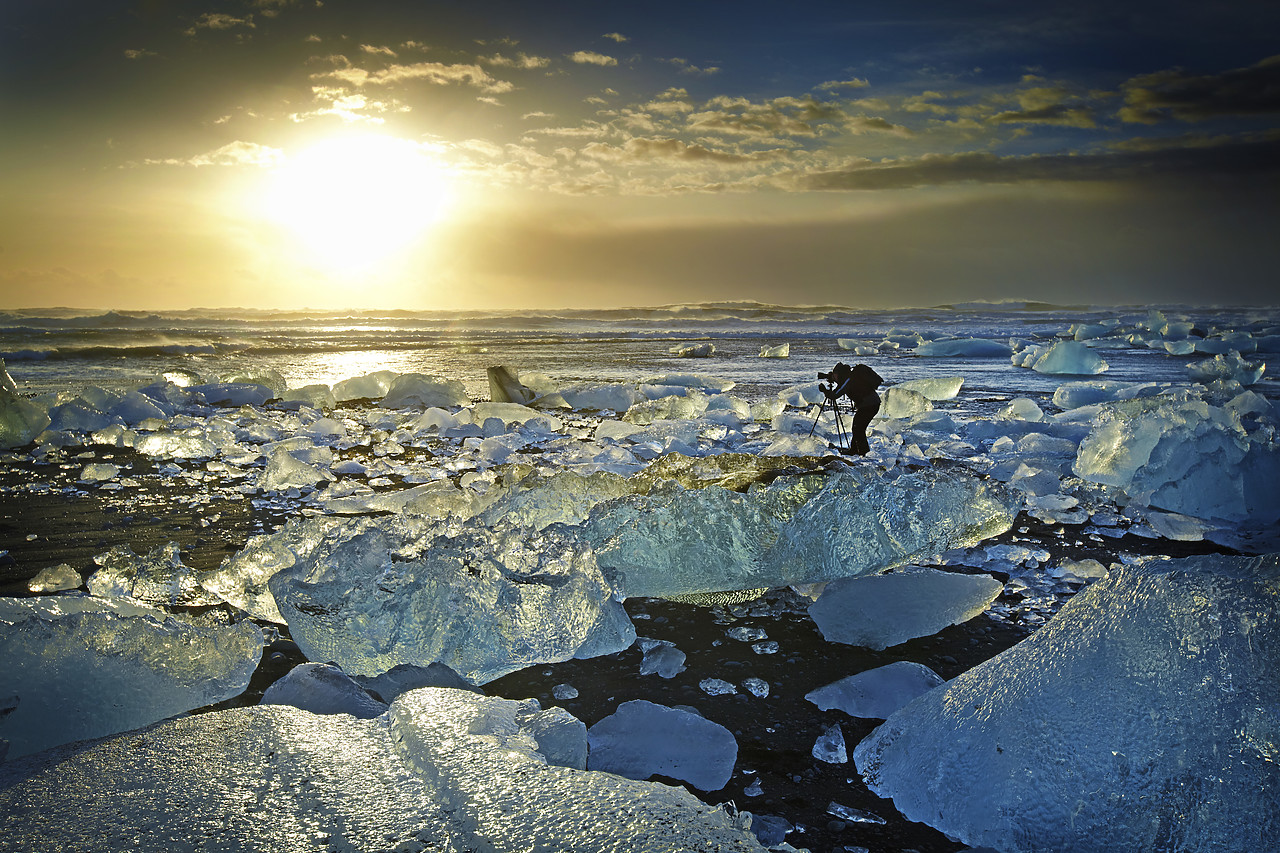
x=645 y=149
x=432 y=72
x=618 y=37
x=781 y=117
x=1047 y=105
x=139 y=54
x=218 y=21
x=588 y=57
x=1173 y=94
x=834 y=85
x=521 y=60
x=689 y=68
x=378 y=51
x=1252 y=159
x=236 y=153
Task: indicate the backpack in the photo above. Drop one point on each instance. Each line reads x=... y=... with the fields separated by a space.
x=865 y=380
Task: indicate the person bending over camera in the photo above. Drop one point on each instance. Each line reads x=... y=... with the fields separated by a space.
x=859 y=384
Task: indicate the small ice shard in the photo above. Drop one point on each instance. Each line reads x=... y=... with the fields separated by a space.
x=483 y=602
x=175 y=445
x=564 y=692
x=829 y=747
x=286 y=471
x=601 y=396
x=884 y=610
x=231 y=394
x=416 y=390
x=371 y=386
x=876 y=693
x=318 y=396
x=135 y=407
x=57 y=578
x=964 y=348
x=757 y=687
x=322 y=688
x=77 y=416
x=641 y=739
x=899 y=402
x=779 y=351
x=754 y=790
x=694 y=350
x=1066 y=357
x=717 y=687
x=1078 y=570
x=746 y=634
x=158 y=578
x=768 y=647
x=934 y=388
x=505 y=387
x=273 y=380
x=664 y=659
x=1157 y=685
x=771 y=830
x=1228 y=366
x=85 y=667
x=443 y=770
x=1022 y=409
x=854 y=815
x=98 y=472
x=20 y=419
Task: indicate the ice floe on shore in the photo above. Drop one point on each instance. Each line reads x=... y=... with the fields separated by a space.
x=1156 y=687
x=441 y=769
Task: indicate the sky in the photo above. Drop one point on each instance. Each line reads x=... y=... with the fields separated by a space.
x=425 y=155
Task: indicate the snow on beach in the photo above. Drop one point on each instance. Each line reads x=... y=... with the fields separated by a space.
x=415 y=524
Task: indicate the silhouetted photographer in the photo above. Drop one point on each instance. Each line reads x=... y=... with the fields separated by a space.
x=858 y=384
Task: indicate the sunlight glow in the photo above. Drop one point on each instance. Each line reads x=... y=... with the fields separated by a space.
x=352 y=202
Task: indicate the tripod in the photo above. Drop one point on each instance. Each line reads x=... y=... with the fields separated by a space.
x=835 y=407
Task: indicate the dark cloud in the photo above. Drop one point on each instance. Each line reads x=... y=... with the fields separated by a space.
x=1173 y=94
x=1258 y=159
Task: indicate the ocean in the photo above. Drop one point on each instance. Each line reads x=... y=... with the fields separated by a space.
x=63 y=350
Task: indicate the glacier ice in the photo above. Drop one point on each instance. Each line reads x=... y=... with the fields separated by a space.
x=160 y=578
x=1187 y=457
x=878 y=692
x=662 y=658
x=899 y=402
x=21 y=420
x=484 y=603
x=443 y=770
x=322 y=688
x=57 y=578
x=642 y=738
x=1065 y=357
x=934 y=388
x=884 y=610
x=1142 y=717
x=505 y=387
x=778 y=351
x=964 y=348
x=795 y=529
x=416 y=390
x=1227 y=366
x=85 y=667
x=829 y=748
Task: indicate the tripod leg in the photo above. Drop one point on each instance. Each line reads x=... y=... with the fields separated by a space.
x=821 y=409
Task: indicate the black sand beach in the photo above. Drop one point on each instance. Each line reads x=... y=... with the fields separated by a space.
x=47 y=518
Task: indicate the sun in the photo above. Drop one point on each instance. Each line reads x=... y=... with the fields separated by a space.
x=351 y=203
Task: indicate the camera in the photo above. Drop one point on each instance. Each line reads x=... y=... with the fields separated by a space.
x=830 y=377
